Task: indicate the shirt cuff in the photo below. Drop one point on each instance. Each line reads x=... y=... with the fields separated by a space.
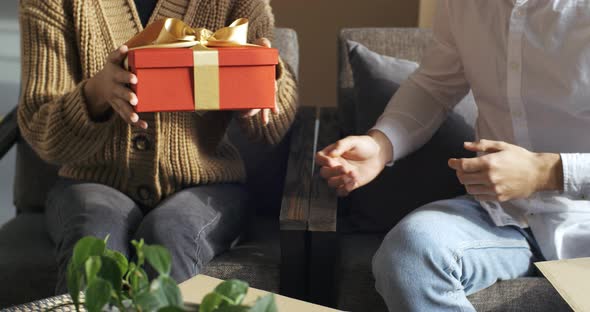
x=397 y=135
x=576 y=175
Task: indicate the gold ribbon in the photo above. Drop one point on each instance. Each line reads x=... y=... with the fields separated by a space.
x=174 y=33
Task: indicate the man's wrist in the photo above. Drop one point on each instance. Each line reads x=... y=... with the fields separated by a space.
x=550 y=171
x=385 y=146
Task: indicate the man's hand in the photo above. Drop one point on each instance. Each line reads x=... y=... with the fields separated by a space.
x=507 y=171
x=109 y=89
x=265 y=112
x=354 y=161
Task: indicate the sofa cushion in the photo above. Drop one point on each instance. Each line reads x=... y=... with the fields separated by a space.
x=523 y=294
x=256 y=260
x=376 y=78
x=27 y=266
x=33 y=179
x=406 y=43
x=356 y=285
x=418 y=179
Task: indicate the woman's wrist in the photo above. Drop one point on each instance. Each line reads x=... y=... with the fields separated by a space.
x=97 y=108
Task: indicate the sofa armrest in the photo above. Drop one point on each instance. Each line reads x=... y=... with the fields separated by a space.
x=323 y=207
x=295 y=204
x=8 y=132
x=295 y=207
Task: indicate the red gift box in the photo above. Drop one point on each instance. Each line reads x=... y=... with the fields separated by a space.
x=238 y=78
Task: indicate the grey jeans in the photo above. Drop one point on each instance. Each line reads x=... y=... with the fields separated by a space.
x=195 y=224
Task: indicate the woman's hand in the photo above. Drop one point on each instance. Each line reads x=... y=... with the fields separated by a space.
x=109 y=89
x=354 y=161
x=507 y=171
x=265 y=112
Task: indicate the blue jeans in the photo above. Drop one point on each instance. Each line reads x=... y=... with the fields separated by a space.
x=195 y=224
x=444 y=251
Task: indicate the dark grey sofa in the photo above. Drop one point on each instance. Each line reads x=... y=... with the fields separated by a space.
x=268 y=258
x=341 y=248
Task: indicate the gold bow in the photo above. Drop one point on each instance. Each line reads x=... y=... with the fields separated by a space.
x=174 y=33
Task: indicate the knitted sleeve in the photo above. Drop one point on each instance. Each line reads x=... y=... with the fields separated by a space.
x=52 y=114
x=261 y=25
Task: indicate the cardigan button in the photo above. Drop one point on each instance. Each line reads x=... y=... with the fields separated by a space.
x=141 y=143
x=144 y=193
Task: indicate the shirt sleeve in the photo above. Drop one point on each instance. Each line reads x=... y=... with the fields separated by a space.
x=576 y=175
x=423 y=101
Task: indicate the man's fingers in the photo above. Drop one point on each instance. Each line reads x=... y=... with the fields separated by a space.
x=469 y=165
x=472 y=178
x=339 y=148
x=486 y=198
x=486 y=146
x=117 y=56
x=339 y=181
x=324 y=160
x=329 y=172
x=342 y=192
x=477 y=189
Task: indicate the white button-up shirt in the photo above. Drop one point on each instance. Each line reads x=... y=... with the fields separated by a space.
x=528 y=65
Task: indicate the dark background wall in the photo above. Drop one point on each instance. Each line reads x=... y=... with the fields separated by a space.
x=318 y=22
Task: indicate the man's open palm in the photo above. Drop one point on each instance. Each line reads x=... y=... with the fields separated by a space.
x=350 y=163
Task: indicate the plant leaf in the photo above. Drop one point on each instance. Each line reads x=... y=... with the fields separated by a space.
x=171 y=309
x=165 y=289
x=146 y=301
x=234 y=290
x=110 y=272
x=138 y=280
x=98 y=294
x=233 y=309
x=119 y=258
x=91 y=268
x=139 y=251
x=87 y=247
x=264 y=304
x=211 y=302
x=159 y=258
x=73 y=278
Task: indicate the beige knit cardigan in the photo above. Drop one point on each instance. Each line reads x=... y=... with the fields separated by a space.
x=65 y=42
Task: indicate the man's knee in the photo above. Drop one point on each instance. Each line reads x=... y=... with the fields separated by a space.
x=413 y=245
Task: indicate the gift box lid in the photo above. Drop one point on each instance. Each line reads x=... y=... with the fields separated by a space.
x=183 y=57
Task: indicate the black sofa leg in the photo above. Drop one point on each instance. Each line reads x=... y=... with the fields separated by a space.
x=322 y=271
x=294 y=264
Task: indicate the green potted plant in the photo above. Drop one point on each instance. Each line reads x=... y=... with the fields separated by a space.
x=109 y=282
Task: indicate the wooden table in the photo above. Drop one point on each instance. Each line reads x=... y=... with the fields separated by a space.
x=197 y=287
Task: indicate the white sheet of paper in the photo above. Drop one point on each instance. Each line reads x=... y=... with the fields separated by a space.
x=571 y=278
x=197 y=287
